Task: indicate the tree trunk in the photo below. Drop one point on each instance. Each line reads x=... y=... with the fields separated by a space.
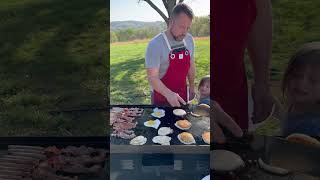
x=168 y=4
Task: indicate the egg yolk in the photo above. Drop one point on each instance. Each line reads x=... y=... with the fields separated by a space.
x=150 y=122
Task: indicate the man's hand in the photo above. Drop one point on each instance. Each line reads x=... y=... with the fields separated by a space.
x=221 y=118
x=192 y=92
x=174 y=99
x=263 y=102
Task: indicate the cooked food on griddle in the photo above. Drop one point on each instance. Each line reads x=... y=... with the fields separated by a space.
x=153 y=123
x=163 y=140
x=139 y=140
x=206 y=137
x=163 y=131
x=123 y=121
x=183 y=124
x=223 y=160
x=303 y=139
x=64 y=164
x=201 y=110
x=158 y=113
x=179 y=112
x=186 y=138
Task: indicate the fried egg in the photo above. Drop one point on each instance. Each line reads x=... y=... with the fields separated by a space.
x=153 y=123
x=163 y=131
x=163 y=140
x=158 y=113
x=139 y=140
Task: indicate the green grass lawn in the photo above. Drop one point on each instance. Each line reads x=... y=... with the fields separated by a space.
x=128 y=79
x=294 y=23
x=52 y=56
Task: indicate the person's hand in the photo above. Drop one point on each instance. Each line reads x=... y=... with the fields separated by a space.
x=174 y=99
x=192 y=92
x=221 y=118
x=262 y=103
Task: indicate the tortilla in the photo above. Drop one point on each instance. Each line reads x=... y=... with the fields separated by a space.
x=223 y=160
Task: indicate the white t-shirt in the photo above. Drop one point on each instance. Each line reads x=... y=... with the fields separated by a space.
x=157 y=54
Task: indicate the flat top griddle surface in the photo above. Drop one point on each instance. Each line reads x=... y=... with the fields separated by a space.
x=199 y=125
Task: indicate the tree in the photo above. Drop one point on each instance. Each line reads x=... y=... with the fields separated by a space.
x=168 y=4
x=113 y=37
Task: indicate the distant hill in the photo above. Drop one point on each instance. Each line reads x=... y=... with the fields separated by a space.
x=118 y=25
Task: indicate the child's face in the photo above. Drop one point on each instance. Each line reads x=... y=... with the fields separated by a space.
x=205 y=89
x=304 y=85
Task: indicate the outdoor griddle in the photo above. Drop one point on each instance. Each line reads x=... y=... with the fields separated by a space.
x=199 y=125
x=61 y=142
x=153 y=161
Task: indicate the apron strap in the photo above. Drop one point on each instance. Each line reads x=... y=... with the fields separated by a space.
x=168 y=44
x=184 y=42
x=166 y=39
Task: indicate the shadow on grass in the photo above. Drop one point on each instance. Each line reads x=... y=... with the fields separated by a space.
x=127 y=86
x=53 y=48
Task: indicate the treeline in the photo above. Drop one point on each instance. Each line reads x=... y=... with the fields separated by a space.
x=200 y=28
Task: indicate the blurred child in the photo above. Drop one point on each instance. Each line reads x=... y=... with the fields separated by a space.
x=301 y=89
x=204 y=90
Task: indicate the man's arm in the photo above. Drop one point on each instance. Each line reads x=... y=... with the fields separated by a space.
x=259 y=47
x=260 y=42
x=173 y=98
x=191 y=77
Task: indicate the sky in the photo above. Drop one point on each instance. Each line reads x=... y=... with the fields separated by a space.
x=124 y=10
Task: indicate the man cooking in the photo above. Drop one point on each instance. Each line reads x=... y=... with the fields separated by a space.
x=170 y=60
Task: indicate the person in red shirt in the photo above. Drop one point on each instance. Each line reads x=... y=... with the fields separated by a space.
x=238 y=26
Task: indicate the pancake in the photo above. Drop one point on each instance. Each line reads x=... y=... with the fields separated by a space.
x=186 y=138
x=183 y=124
x=206 y=137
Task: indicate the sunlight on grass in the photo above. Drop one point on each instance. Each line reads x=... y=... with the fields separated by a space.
x=129 y=84
x=33 y=43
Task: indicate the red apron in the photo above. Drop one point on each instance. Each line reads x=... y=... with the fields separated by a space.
x=176 y=75
x=231 y=23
